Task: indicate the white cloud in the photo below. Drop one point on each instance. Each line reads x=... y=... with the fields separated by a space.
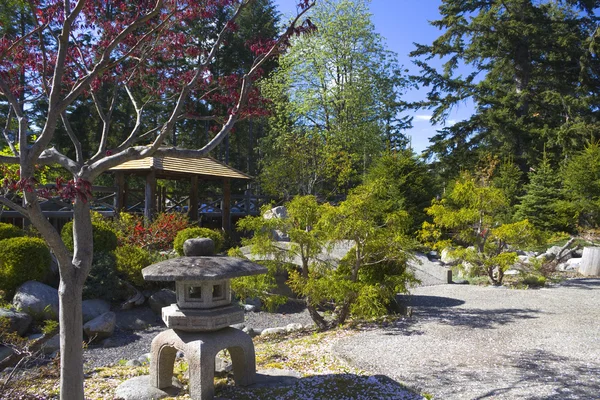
x=450 y=122
x=423 y=117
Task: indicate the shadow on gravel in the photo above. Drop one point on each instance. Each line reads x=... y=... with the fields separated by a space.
x=568 y=378
x=586 y=283
x=428 y=301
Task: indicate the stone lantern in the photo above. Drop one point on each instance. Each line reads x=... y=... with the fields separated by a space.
x=200 y=321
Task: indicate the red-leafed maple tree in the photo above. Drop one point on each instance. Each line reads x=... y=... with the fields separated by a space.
x=67 y=53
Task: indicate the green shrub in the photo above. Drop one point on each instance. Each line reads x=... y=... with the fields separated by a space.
x=22 y=259
x=8 y=231
x=130 y=262
x=534 y=281
x=104 y=237
x=103 y=281
x=191 y=233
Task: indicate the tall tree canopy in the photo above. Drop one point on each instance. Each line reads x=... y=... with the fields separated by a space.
x=532 y=73
x=335 y=103
x=105 y=53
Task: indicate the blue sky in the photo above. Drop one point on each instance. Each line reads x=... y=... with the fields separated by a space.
x=402 y=23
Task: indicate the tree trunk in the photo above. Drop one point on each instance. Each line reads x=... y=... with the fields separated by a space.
x=316 y=317
x=71 y=339
x=590 y=262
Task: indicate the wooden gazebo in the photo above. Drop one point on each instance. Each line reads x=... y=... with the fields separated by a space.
x=176 y=168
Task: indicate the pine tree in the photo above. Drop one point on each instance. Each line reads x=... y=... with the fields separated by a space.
x=540 y=202
x=532 y=73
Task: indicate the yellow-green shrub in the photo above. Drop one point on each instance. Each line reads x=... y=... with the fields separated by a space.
x=191 y=233
x=22 y=259
x=130 y=262
x=8 y=231
x=104 y=237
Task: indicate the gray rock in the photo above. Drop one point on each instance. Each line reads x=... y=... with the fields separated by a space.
x=273 y=331
x=145 y=358
x=239 y=326
x=278 y=212
x=140 y=388
x=294 y=327
x=101 y=327
x=37 y=300
x=35 y=336
x=160 y=299
x=249 y=308
x=446 y=258
x=93 y=308
x=222 y=367
x=136 y=319
x=199 y=247
x=5 y=352
x=133 y=363
x=19 y=322
x=51 y=345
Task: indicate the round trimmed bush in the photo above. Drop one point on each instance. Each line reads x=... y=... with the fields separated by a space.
x=191 y=233
x=103 y=281
x=105 y=239
x=22 y=259
x=130 y=262
x=8 y=231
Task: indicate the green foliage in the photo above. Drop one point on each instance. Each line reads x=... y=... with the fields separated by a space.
x=191 y=233
x=531 y=79
x=403 y=183
x=469 y=219
x=104 y=237
x=22 y=259
x=540 y=204
x=130 y=262
x=581 y=187
x=335 y=104
x=10 y=231
x=103 y=281
x=258 y=286
x=363 y=283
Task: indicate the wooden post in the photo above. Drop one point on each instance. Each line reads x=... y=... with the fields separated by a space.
x=193 y=208
x=120 y=195
x=150 y=195
x=163 y=205
x=226 y=206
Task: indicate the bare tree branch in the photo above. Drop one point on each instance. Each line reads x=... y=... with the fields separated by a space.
x=106 y=120
x=72 y=136
x=12 y=205
x=5 y=133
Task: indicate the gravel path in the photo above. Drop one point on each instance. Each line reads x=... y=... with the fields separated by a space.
x=472 y=342
x=133 y=344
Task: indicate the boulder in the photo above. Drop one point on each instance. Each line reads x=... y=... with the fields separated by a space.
x=222 y=366
x=37 y=300
x=278 y=212
x=18 y=322
x=101 y=327
x=137 y=319
x=273 y=331
x=160 y=299
x=5 y=352
x=446 y=258
x=294 y=327
x=93 y=308
x=140 y=388
x=51 y=345
x=198 y=247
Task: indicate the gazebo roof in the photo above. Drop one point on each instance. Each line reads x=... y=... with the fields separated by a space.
x=166 y=166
